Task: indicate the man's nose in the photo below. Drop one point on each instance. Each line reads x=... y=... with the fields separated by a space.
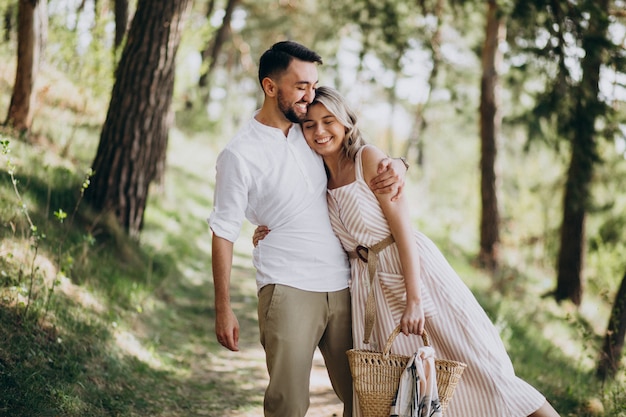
x=309 y=95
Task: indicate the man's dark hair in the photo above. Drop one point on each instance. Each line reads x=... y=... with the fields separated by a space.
x=276 y=59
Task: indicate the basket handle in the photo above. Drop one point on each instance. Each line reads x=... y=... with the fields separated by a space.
x=394 y=334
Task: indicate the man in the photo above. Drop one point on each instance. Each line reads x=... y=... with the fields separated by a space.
x=269 y=175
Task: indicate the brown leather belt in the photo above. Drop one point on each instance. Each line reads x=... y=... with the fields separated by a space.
x=369 y=255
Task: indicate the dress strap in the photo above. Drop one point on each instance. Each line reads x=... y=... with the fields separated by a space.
x=369 y=255
x=358 y=163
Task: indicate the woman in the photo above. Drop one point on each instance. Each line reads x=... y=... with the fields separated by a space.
x=413 y=285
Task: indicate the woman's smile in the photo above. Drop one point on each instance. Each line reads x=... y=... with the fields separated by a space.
x=323 y=140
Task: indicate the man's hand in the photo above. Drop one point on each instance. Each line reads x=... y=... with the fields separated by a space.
x=227 y=329
x=390 y=178
x=226 y=324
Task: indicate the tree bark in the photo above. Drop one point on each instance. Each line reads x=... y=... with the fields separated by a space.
x=490 y=120
x=571 y=253
x=121 y=21
x=31 y=34
x=133 y=142
x=613 y=346
x=584 y=156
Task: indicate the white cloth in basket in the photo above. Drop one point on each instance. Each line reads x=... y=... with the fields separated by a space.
x=417 y=393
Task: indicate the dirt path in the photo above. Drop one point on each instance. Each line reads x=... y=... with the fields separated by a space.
x=324 y=402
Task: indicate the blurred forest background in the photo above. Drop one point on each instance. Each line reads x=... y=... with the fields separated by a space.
x=512 y=114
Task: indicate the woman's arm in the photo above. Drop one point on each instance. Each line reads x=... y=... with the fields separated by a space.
x=259 y=234
x=398 y=216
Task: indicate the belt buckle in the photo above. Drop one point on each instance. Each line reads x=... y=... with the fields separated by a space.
x=359 y=249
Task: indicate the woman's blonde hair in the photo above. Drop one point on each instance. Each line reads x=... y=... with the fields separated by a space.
x=337 y=105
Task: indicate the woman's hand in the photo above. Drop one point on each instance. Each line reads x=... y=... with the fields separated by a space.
x=259 y=234
x=413 y=320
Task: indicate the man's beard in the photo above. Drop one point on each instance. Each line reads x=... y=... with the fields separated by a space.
x=288 y=110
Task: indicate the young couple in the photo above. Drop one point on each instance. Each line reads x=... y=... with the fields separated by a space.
x=301 y=168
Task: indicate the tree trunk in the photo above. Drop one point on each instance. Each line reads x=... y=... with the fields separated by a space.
x=31 y=33
x=211 y=53
x=584 y=156
x=571 y=254
x=133 y=142
x=121 y=21
x=614 y=338
x=490 y=121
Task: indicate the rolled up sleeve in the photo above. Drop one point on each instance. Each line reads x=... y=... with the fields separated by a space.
x=230 y=196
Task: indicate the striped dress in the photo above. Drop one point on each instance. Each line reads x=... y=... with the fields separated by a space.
x=458 y=327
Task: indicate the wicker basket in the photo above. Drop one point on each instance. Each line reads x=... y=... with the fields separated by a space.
x=376 y=377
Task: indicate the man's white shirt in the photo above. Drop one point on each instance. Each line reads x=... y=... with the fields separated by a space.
x=279 y=182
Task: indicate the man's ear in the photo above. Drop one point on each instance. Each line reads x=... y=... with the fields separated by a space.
x=269 y=86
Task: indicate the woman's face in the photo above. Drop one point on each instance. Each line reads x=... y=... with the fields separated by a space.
x=322 y=131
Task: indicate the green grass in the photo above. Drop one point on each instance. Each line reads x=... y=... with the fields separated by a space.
x=95 y=324
x=127 y=330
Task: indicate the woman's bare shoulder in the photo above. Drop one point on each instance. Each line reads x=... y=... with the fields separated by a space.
x=370 y=158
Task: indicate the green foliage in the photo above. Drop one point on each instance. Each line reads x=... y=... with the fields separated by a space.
x=51 y=371
x=548 y=40
x=80 y=47
x=67 y=362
